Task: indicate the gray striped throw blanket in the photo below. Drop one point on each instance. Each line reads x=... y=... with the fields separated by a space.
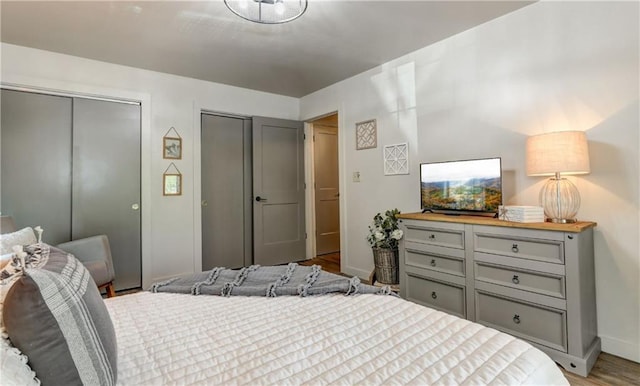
x=271 y=281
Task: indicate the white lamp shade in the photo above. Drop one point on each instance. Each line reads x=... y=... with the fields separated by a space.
x=565 y=152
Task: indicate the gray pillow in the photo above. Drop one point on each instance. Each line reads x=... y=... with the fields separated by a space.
x=55 y=315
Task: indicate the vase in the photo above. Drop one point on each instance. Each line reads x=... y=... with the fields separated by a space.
x=386 y=261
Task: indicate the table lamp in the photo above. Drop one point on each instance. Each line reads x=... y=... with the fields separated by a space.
x=556 y=154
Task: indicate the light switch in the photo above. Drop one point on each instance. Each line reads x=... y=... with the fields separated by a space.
x=356 y=176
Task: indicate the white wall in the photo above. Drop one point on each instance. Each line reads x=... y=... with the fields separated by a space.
x=550 y=66
x=170 y=225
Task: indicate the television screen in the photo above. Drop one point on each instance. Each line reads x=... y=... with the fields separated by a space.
x=469 y=185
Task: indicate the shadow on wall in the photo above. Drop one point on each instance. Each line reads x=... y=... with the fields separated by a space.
x=614 y=158
x=508 y=185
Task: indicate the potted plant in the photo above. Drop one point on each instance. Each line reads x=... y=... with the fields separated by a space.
x=383 y=238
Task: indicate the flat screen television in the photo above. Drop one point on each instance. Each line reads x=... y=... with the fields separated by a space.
x=462 y=187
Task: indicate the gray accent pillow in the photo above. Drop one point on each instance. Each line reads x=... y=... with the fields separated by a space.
x=55 y=315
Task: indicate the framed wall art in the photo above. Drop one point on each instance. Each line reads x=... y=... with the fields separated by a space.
x=172 y=181
x=366 y=135
x=396 y=159
x=172 y=146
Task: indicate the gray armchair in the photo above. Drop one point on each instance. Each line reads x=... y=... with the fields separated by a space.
x=7 y=225
x=94 y=252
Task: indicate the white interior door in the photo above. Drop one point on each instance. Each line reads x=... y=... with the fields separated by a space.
x=278 y=191
x=326 y=185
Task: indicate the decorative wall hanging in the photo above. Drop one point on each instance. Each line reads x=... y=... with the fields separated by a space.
x=366 y=135
x=172 y=146
x=396 y=159
x=172 y=182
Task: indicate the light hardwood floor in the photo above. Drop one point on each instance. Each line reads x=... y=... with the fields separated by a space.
x=608 y=370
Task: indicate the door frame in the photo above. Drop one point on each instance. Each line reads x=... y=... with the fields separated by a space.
x=77 y=90
x=310 y=193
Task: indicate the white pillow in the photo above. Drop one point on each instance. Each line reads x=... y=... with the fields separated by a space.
x=25 y=236
x=13 y=365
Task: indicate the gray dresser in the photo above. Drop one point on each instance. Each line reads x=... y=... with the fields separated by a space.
x=534 y=281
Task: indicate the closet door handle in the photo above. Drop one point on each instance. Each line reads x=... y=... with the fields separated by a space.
x=260 y=199
x=135 y=206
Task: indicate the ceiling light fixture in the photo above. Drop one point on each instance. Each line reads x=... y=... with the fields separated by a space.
x=267 y=11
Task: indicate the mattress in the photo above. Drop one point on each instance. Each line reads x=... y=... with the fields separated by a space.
x=176 y=339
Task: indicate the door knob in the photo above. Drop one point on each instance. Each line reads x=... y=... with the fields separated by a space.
x=204 y=203
x=135 y=206
x=260 y=199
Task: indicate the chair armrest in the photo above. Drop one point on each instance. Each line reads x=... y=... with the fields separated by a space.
x=90 y=251
x=7 y=225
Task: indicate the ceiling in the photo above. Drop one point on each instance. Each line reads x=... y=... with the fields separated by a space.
x=332 y=41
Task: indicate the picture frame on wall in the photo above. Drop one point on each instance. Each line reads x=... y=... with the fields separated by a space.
x=366 y=135
x=172 y=184
x=172 y=148
x=396 y=159
x=172 y=181
x=172 y=145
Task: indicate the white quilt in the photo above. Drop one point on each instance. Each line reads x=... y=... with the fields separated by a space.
x=174 y=339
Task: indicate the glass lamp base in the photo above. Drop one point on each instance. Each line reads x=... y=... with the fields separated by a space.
x=562 y=220
x=560 y=199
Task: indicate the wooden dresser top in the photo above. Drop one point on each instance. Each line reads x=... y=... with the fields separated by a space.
x=479 y=220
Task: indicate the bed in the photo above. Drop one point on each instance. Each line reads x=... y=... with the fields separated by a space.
x=182 y=339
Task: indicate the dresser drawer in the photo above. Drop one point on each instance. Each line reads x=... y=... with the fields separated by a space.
x=542 y=250
x=434 y=259
x=539 y=324
x=446 y=297
x=451 y=238
x=538 y=282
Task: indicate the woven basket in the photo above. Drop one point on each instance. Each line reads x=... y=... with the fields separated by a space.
x=386 y=261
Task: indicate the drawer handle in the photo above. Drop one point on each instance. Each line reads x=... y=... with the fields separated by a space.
x=514 y=248
x=432 y=236
x=516 y=319
x=434 y=295
x=515 y=279
x=433 y=262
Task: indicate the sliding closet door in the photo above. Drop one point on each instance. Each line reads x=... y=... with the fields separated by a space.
x=36 y=162
x=226 y=192
x=106 y=181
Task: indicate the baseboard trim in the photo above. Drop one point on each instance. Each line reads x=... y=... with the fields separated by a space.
x=621 y=348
